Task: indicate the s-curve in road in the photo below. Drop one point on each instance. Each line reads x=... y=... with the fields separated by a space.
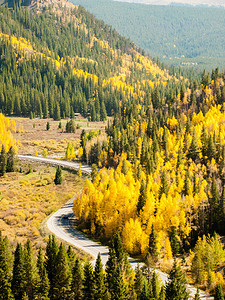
x=59 y=224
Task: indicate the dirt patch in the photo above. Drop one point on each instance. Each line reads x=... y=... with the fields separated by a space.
x=34 y=138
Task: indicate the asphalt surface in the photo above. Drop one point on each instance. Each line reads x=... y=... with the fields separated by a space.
x=59 y=223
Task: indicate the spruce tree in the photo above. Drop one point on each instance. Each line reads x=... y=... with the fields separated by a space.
x=176 y=285
x=51 y=258
x=58 y=176
x=99 y=280
x=31 y=272
x=71 y=256
x=56 y=115
x=118 y=247
x=186 y=187
x=144 y=292
x=103 y=114
x=164 y=185
x=119 y=291
x=19 y=274
x=111 y=268
x=63 y=276
x=88 y=283
x=175 y=246
x=10 y=160
x=162 y=294
x=193 y=151
x=153 y=244
x=155 y=284
x=77 y=280
x=214 y=206
x=3 y=161
x=5 y=272
x=180 y=157
x=124 y=168
x=44 y=284
x=219 y=293
x=211 y=150
x=221 y=211
x=139 y=281
x=142 y=196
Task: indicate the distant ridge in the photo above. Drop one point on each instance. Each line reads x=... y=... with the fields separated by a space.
x=196 y=3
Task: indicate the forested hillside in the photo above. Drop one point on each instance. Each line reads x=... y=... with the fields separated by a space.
x=163 y=188
x=187 y=36
x=55 y=62
x=173 y=154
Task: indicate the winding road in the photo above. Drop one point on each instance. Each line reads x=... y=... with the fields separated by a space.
x=59 y=224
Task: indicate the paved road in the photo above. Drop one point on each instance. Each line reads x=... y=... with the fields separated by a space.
x=60 y=225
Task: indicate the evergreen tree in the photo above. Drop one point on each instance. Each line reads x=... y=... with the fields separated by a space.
x=119 y=291
x=139 y=281
x=103 y=114
x=3 y=161
x=31 y=272
x=57 y=115
x=162 y=295
x=144 y=292
x=93 y=113
x=186 y=184
x=124 y=168
x=214 y=206
x=221 y=211
x=117 y=245
x=19 y=274
x=10 y=160
x=71 y=126
x=175 y=246
x=44 y=285
x=51 y=254
x=58 y=176
x=71 y=257
x=176 y=285
x=180 y=157
x=88 y=284
x=111 y=268
x=219 y=293
x=155 y=284
x=94 y=172
x=99 y=280
x=61 y=289
x=164 y=185
x=153 y=244
x=5 y=272
x=77 y=280
x=47 y=126
x=211 y=151
x=193 y=151
x=204 y=141
x=142 y=197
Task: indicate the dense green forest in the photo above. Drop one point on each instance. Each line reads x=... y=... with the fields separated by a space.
x=185 y=36
x=57 y=273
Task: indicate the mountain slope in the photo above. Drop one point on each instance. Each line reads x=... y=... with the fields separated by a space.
x=57 y=59
x=188 y=36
